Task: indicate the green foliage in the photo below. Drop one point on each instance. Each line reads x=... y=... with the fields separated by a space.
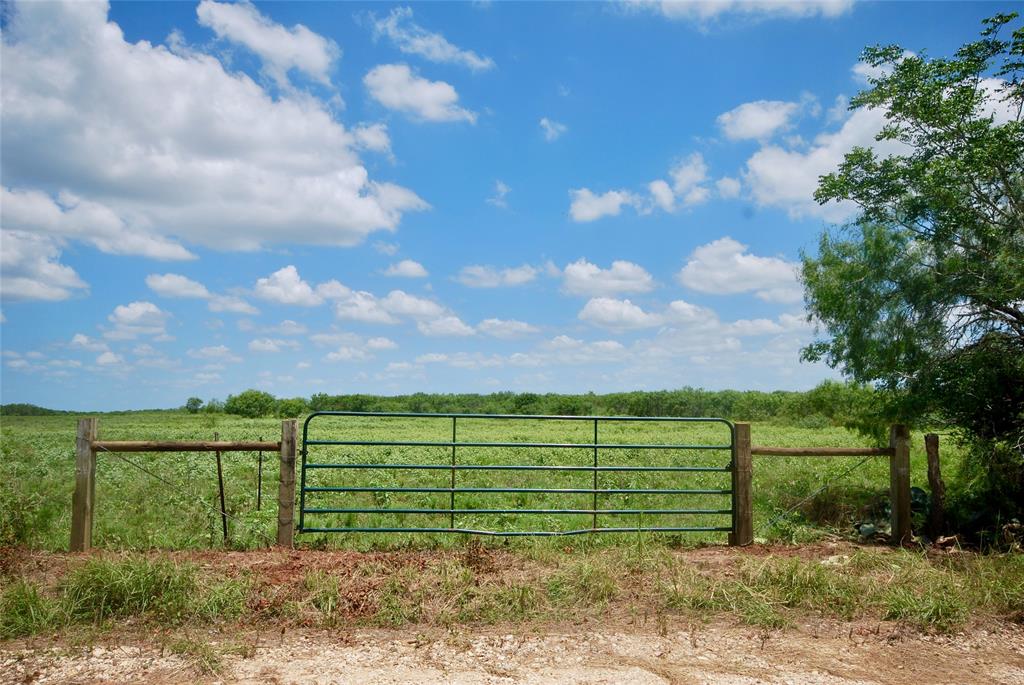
x=21 y=409
x=101 y=589
x=193 y=405
x=290 y=408
x=250 y=403
x=25 y=611
x=923 y=294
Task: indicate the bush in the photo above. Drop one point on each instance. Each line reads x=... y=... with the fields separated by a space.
x=251 y=404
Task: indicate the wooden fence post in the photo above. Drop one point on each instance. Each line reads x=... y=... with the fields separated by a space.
x=84 y=499
x=742 y=493
x=937 y=511
x=286 y=484
x=899 y=483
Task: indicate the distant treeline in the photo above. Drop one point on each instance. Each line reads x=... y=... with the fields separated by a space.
x=831 y=403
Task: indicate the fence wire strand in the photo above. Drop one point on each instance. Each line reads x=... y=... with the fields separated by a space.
x=814 y=494
x=186 y=504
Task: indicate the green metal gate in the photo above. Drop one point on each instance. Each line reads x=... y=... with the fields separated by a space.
x=575 y=474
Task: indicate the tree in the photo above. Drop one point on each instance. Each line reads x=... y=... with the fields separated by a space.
x=925 y=289
x=250 y=404
x=193 y=405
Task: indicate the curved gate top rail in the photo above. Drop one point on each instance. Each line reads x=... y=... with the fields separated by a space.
x=425 y=481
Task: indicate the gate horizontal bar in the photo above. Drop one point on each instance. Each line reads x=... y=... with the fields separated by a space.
x=569 y=491
x=513 y=467
x=620 y=512
x=553 y=445
x=518 y=533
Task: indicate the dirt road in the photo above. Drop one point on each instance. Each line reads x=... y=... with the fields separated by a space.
x=716 y=654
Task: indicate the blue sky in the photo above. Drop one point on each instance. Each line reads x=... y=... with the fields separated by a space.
x=324 y=197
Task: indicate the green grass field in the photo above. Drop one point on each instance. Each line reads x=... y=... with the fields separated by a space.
x=173 y=502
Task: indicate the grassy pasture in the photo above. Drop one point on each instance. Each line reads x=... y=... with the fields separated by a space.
x=175 y=504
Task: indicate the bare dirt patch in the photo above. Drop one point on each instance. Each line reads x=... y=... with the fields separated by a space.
x=717 y=654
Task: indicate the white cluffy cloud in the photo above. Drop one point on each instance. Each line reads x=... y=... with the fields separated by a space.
x=725 y=267
x=285 y=286
x=501 y=189
x=757 y=120
x=176 y=285
x=396 y=87
x=280 y=48
x=406 y=268
x=482 y=276
x=177 y=148
x=587 y=206
x=413 y=39
x=705 y=11
x=135 y=319
x=552 y=129
x=506 y=329
x=30 y=269
x=686 y=187
x=608 y=312
x=583 y=278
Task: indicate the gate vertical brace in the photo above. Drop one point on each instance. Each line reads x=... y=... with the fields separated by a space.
x=742 y=495
x=451 y=500
x=286 y=484
x=594 y=525
x=83 y=502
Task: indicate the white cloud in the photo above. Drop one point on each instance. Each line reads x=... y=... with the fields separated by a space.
x=703 y=12
x=586 y=206
x=218 y=352
x=154 y=145
x=787 y=178
x=757 y=120
x=381 y=344
x=373 y=137
x=500 y=191
x=661 y=193
x=176 y=285
x=333 y=290
x=396 y=87
x=272 y=345
x=447 y=325
x=728 y=188
x=84 y=342
x=70 y=216
x=365 y=307
x=724 y=267
x=607 y=312
x=285 y=286
x=583 y=278
x=289 y=327
x=403 y=304
x=230 y=303
x=482 y=276
x=30 y=269
x=413 y=39
x=552 y=129
x=406 y=268
x=347 y=354
x=109 y=358
x=137 y=318
x=279 y=48
x=389 y=249
x=506 y=329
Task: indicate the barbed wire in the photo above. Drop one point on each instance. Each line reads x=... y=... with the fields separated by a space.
x=814 y=494
x=188 y=504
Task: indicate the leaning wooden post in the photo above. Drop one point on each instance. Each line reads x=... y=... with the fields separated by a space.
x=742 y=491
x=84 y=499
x=937 y=512
x=286 y=484
x=899 y=483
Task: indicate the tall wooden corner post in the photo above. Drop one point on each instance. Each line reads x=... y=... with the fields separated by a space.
x=899 y=484
x=742 y=488
x=286 y=484
x=84 y=499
